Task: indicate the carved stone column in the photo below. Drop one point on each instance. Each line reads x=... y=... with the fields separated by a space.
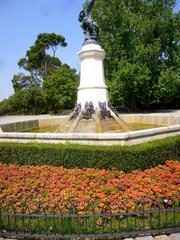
x=92 y=86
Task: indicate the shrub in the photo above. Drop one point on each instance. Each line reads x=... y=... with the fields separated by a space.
x=126 y=158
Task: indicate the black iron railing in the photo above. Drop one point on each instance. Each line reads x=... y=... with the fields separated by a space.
x=97 y=219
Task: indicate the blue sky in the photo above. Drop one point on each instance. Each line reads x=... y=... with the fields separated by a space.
x=20 y=23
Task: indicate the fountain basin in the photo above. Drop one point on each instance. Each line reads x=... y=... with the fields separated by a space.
x=128 y=138
x=170 y=123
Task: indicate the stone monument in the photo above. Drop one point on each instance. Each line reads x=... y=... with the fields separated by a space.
x=92 y=112
x=92 y=89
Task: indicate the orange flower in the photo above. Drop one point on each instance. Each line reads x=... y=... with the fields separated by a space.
x=100 y=221
x=21 y=184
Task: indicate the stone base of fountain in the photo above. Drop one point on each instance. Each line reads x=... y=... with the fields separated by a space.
x=170 y=127
x=101 y=120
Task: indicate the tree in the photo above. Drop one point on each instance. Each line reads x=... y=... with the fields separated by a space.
x=37 y=61
x=50 y=41
x=24 y=101
x=60 y=87
x=5 y=107
x=22 y=82
x=128 y=82
x=141 y=39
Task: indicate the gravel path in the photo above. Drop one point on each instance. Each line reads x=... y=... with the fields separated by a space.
x=174 y=236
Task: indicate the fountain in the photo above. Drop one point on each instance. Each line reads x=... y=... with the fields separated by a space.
x=93 y=120
x=92 y=113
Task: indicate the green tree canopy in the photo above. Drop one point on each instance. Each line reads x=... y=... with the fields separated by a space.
x=38 y=62
x=24 y=101
x=60 y=88
x=141 y=39
x=22 y=82
x=50 y=41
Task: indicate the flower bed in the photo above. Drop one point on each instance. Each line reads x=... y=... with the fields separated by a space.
x=25 y=186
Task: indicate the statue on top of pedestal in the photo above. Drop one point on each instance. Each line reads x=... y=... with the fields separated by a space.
x=88 y=24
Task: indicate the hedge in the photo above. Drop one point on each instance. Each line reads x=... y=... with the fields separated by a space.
x=126 y=158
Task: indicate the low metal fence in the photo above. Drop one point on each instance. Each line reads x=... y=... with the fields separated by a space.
x=87 y=220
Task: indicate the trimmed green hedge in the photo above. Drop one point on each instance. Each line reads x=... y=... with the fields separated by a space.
x=125 y=158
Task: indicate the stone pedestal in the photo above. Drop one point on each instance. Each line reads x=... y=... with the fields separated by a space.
x=92 y=86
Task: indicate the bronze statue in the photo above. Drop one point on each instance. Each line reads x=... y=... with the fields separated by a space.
x=88 y=24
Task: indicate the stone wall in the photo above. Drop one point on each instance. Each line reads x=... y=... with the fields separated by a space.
x=128 y=138
x=156 y=119
x=20 y=126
